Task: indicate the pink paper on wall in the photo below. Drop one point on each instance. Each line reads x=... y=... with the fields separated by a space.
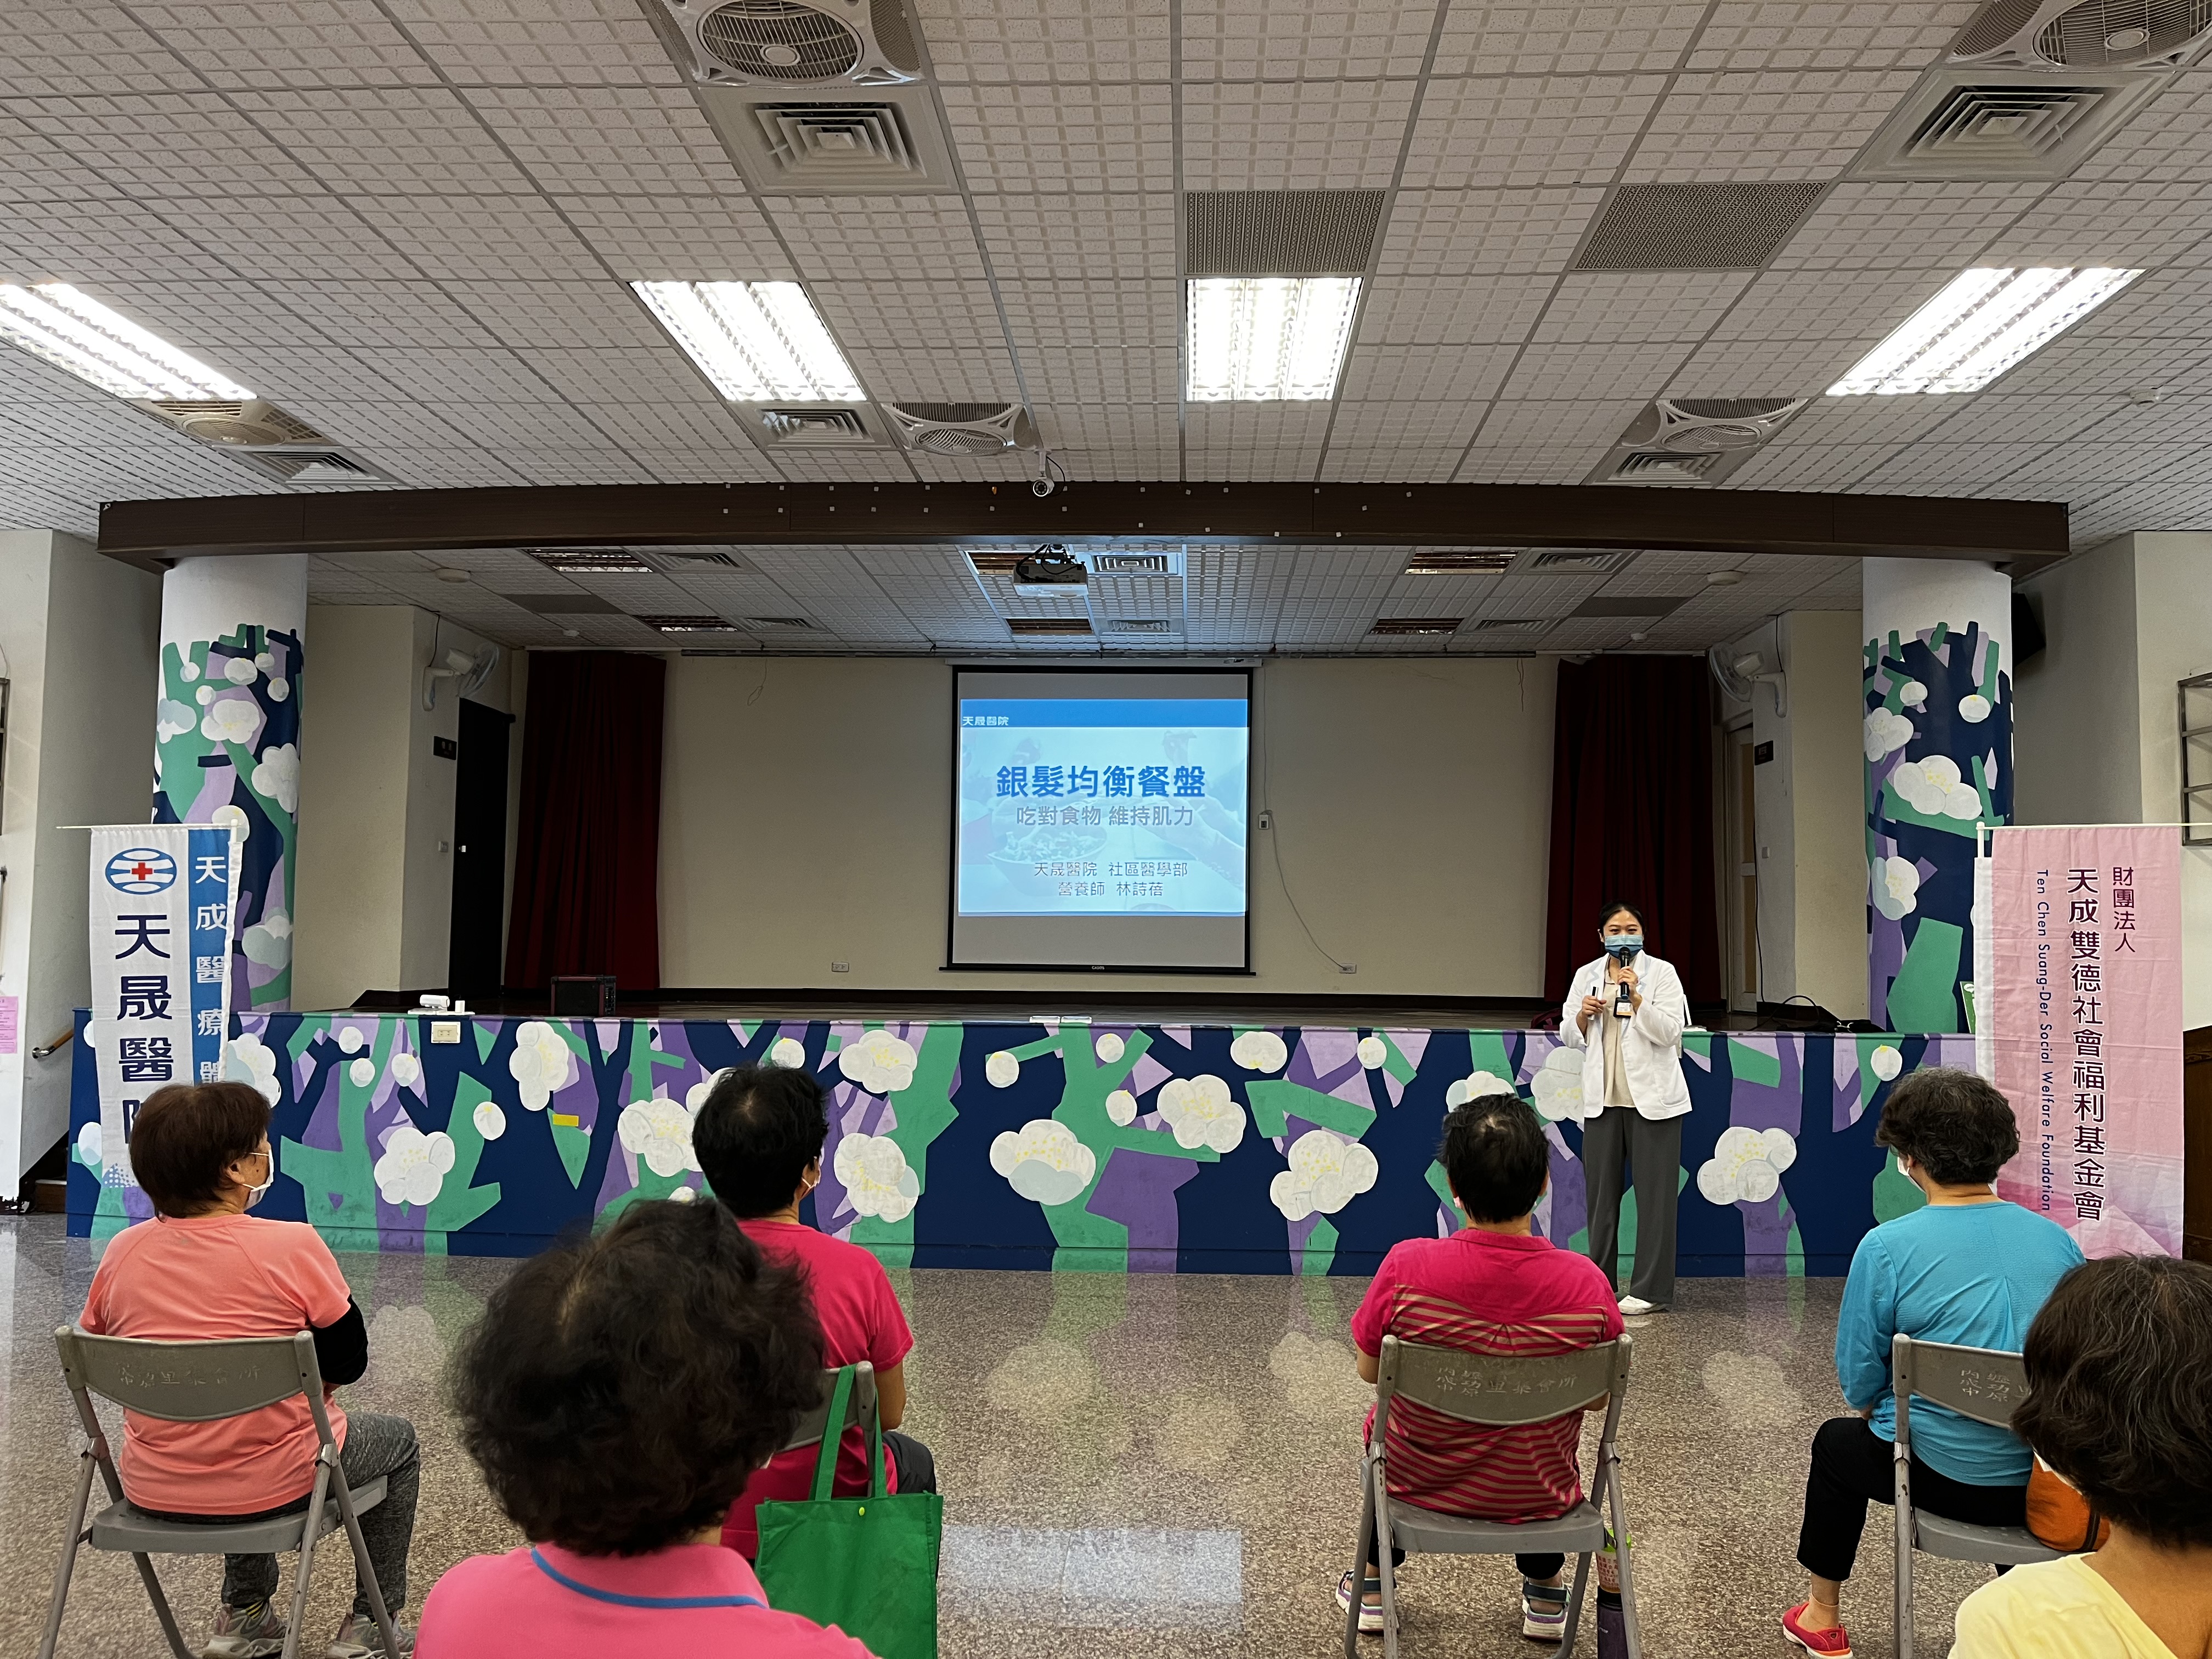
x=2084 y=1001
x=11 y=1019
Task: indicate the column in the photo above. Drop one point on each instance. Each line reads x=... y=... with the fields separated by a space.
x=1937 y=683
x=227 y=741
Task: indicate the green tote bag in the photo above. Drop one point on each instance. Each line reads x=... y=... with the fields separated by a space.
x=867 y=1566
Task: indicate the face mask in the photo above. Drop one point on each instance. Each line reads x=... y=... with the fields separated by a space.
x=254 y=1194
x=1623 y=946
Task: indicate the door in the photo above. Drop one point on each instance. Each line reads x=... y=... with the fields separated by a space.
x=475 y=958
x=1740 y=885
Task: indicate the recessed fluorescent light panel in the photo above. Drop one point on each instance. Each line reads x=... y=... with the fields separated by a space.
x=1268 y=339
x=1982 y=323
x=755 y=341
x=71 y=330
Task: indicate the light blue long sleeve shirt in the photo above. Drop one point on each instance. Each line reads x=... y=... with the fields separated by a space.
x=1973 y=1274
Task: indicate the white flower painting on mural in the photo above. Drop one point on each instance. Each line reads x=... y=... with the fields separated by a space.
x=1973 y=708
x=277 y=775
x=1475 y=1084
x=541 y=1063
x=1894 y=885
x=1746 y=1165
x=1885 y=1061
x=1558 y=1085
x=880 y=1062
x=279 y=689
x=1044 y=1162
x=268 y=942
x=350 y=1039
x=876 y=1178
x=1121 y=1107
x=490 y=1122
x=173 y=718
x=265 y=662
x=659 y=1131
x=361 y=1073
x=1912 y=694
x=406 y=1070
x=1373 y=1051
x=1886 y=732
x=1000 y=1069
x=1201 y=1112
x=231 y=817
x=258 y=1060
x=684 y=1195
x=414 y=1164
x=231 y=719
x=1259 y=1051
x=204 y=695
x=240 y=670
x=788 y=1053
x=188 y=671
x=696 y=1095
x=88 y=1145
x=1326 y=1172
x=1108 y=1048
x=1933 y=786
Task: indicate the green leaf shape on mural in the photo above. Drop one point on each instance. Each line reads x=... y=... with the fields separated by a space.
x=1320 y=1252
x=1924 y=998
x=1755 y=1066
x=1394 y=1063
x=1440 y=1184
x=1869 y=1079
x=459 y=1200
x=1894 y=1193
x=348 y=1174
x=572 y=1143
x=924 y=1110
x=1274 y=1100
x=1699 y=1044
x=1793 y=1256
x=644 y=1060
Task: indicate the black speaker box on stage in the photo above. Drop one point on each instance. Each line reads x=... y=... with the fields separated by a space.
x=584 y=996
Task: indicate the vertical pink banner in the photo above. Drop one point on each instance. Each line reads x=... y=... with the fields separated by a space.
x=2085 y=1006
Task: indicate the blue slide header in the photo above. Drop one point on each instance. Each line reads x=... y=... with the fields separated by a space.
x=1017 y=713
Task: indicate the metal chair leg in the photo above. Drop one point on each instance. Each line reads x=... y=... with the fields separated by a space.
x=1575 y=1603
x=70 y=1547
x=162 y=1612
x=1383 y=1566
x=1359 y=1563
x=1902 y=1506
x=1624 y=1554
x=306 y=1570
x=362 y=1565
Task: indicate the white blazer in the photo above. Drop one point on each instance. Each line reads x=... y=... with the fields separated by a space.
x=1651 y=1047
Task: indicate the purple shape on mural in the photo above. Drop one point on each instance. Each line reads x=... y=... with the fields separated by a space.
x=1761 y=1106
x=1411 y=1044
x=1765 y=1238
x=1148 y=1075
x=1570 y=1200
x=1139 y=1191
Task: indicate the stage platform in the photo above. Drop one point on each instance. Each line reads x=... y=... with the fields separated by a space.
x=1069 y=1139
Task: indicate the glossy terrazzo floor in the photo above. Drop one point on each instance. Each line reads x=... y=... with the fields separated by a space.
x=1145 y=1465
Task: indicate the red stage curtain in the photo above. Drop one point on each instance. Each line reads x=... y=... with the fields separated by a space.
x=1632 y=814
x=587 y=842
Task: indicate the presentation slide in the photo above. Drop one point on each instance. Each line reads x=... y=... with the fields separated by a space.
x=1101 y=819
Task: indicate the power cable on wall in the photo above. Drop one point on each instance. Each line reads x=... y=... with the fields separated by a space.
x=1275 y=831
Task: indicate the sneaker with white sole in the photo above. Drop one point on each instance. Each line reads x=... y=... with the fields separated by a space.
x=1371 y=1612
x=1632 y=1305
x=249 y=1632
x=1543 y=1611
x=359 y=1638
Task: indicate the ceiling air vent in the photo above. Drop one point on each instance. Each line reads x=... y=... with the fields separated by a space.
x=1280 y=233
x=1048 y=625
x=1416 y=624
x=593 y=561
x=1496 y=622
x=1580 y=561
x=1441 y=562
x=314 y=466
x=1131 y=564
x=1140 y=625
x=702 y=556
x=1729 y=225
x=782 y=624
x=1651 y=466
x=964 y=428
x=1692 y=439
x=784 y=42
x=987 y=562
x=1978 y=126
x=699 y=624
x=248 y=424
x=2067 y=35
x=884 y=144
x=808 y=426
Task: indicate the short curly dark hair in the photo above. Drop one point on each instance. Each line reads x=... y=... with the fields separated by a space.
x=1953 y=1124
x=2116 y=1401
x=1495 y=1156
x=618 y=1393
x=760 y=1129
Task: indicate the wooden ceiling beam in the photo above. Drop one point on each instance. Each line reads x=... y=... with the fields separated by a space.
x=2022 y=535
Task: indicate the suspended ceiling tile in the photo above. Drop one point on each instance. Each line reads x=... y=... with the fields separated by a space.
x=539 y=42
x=1308 y=135
x=1485 y=233
x=1636 y=308
x=1332 y=40
x=1812 y=34
x=1808 y=124
x=1568 y=40
x=386 y=142
x=1928 y=228
x=1079 y=42
x=1492 y=133
x=1424 y=374
x=482 y=238
x=618 y=141
x=288 y=44
x=1073 y=139
x=1085 y=239
x=666 y=239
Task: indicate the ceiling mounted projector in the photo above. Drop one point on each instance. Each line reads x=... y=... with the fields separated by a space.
x=1050 y=573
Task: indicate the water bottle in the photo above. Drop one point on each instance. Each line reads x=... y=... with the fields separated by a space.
x=1611 y=1622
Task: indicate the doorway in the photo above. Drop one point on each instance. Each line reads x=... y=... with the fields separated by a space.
x=475 y=958
x=1739 y=869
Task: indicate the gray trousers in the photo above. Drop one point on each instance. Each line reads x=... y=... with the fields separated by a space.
x=1654 y=1152
x=374 y=1446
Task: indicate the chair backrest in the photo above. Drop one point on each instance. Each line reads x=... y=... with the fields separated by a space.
x=1499 y=1391
x=1983 y=1383
x=859 y=1407
x=192 y=1381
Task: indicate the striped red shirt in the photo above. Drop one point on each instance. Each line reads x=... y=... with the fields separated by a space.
x=1486 y=1293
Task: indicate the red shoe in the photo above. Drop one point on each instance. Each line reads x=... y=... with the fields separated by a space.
x=1828 y=1644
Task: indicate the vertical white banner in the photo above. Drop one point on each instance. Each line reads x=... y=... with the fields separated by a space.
x=162 y=896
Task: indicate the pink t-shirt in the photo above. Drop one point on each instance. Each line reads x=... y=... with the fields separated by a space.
x=1487 y=1293
x=545 y=1602
x=193 y=1278
x=861 y=1319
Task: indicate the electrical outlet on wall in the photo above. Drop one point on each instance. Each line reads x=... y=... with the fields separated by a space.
x=1267 y=820
x=841 y=967
x=1348 y=967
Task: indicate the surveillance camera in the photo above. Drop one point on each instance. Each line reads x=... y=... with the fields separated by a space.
x=1041 y=486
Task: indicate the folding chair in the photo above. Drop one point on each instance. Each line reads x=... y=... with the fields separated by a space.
x=1497 y=1392
x=860 y=1408
x=1981 y=1383
x=204 y=1383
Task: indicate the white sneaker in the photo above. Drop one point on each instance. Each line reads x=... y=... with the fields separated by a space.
x=359 y=1638
x=254 y=1632
x=1632 y=1305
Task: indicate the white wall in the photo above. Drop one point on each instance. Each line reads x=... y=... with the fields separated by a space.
x=376 y=804
x=81 y=634
x=2097 y=733
x=805 y=818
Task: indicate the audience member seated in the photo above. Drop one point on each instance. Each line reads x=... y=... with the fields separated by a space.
x=2120 y=1375
x=759 y=1140
x=618 y=1394
x=201 y=1269
x=1967 y=1268
x=1492 y=1288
